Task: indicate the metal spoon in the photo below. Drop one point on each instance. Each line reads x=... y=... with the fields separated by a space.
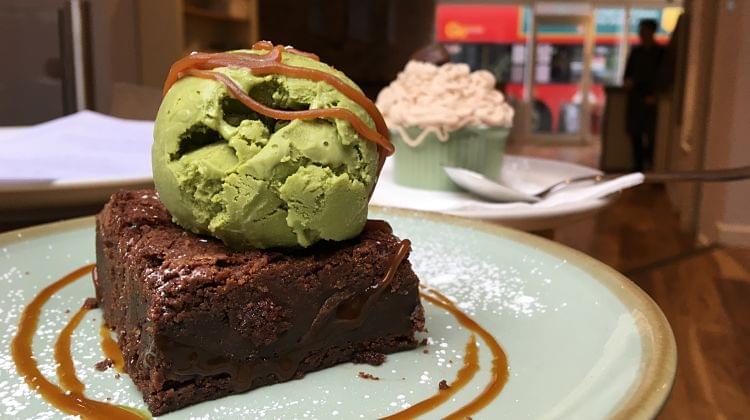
x=492 y=190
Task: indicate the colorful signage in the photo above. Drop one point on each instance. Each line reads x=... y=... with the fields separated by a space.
x=507 y=24
x=478 y=23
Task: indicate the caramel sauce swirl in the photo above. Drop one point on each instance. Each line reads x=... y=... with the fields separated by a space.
x=469 y=368
x=268 y=45
x=499 y=369
x=202 y=64
x=68 y=397
x=110 y=348
x=66 y=369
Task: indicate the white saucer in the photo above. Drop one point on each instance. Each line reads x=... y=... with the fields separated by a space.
x=522 y=173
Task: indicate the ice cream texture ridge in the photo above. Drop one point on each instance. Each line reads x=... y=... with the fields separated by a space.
x=224 y=170
x=443 y=99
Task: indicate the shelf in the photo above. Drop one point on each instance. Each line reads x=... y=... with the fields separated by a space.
x=191 y=10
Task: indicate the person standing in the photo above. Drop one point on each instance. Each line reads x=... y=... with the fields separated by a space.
x=641 y=83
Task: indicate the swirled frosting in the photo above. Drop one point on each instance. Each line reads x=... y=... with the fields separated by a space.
x=443 y=98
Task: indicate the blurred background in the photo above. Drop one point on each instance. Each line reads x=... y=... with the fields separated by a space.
x=562 y=64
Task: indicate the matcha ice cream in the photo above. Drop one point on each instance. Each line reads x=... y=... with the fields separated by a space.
x=253 y=181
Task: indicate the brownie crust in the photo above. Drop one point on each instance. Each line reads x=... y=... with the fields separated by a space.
x=197 y=320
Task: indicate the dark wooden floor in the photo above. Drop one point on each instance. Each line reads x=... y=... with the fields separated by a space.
x=705 y=294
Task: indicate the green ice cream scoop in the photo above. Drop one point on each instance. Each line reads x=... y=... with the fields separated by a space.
x=253 y=181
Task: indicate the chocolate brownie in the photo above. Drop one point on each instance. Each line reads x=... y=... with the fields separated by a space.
x=197 y=320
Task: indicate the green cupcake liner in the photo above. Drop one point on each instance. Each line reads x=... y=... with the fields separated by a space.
x=477 y=148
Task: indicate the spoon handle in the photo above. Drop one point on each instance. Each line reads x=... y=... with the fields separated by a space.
x=714 y=175
x=711 y=175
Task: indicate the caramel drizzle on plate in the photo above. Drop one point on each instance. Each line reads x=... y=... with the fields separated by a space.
x=499 y=370
x=202 y=65
x=68 y=396
x=469 y=368
x=66 y=369
x=111 y=349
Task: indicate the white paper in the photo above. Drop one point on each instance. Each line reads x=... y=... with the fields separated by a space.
x=86 y=146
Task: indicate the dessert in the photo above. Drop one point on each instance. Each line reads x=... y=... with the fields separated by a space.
x=197 y=320
x=250 y=179
x=200 y=317
x=274 y=155
x=68 y=394
x=444 y=115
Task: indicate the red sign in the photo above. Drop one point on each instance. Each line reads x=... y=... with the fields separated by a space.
x=478 y=23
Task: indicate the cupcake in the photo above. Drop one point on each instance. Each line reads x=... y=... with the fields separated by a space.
x=444 y=116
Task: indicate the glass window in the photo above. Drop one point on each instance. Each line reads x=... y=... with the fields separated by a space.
x=495 y=37
x=606 y=61
x=666 y=19
x=559 y=63
x=505 y=61
x=488 y=36
x=557 y=99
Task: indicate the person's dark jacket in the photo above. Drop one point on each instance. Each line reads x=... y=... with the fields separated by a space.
x=643 y=72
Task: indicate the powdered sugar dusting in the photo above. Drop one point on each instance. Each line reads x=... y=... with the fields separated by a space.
x=474 y=282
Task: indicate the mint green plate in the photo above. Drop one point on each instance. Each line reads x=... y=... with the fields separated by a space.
x=582 y=341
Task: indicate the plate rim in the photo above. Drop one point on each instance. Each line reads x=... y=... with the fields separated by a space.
x=646 y=396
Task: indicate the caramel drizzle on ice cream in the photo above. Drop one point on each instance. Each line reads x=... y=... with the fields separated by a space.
x=268 y=45
x=202 y=64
